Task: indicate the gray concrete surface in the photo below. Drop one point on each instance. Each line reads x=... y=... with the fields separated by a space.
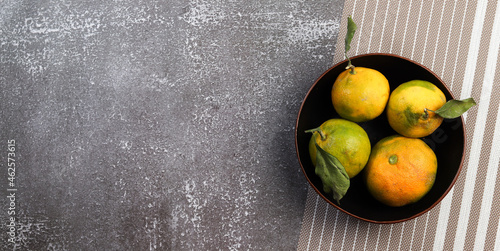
x=156 y=125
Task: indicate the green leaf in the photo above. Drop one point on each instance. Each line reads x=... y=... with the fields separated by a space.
x=351 y=29
x=455 y=108
x=332 y=173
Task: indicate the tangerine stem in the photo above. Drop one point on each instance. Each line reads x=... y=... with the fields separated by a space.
x=426 y=113
x=393 y=159
x=349 y=65
x=321 y=133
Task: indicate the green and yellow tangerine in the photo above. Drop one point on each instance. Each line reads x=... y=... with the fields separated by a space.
x=345 y=140
x=411 y=106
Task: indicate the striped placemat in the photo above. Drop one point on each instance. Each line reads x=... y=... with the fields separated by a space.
x=459 y=41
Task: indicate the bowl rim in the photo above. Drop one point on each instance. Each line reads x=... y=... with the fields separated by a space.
x=318 y=192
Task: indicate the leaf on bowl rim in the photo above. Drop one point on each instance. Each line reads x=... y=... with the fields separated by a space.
x=455 y=108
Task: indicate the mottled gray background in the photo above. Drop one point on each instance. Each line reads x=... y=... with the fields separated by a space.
x=158 y=125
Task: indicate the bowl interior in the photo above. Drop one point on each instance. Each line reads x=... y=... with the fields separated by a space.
x=448 y=141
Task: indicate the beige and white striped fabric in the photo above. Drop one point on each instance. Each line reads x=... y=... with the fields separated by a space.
x=459 y=41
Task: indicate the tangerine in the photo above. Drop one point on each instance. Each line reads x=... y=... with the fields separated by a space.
x=345 y=140
x=360 y=94
x=411 y=106
x=400 y=170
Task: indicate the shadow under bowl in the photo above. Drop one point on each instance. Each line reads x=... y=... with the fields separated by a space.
x=448 y=141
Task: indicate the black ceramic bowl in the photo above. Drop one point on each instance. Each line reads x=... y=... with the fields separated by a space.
x=448 y=141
